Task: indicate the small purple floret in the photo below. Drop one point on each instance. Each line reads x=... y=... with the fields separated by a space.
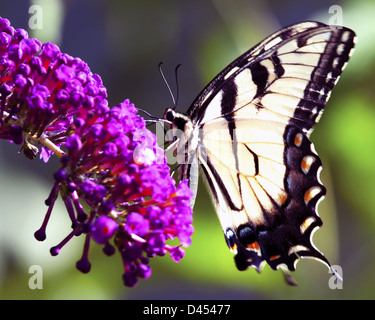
x=103 y=229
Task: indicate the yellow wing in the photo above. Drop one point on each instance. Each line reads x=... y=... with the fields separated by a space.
x=264 y=178
x=249 y=130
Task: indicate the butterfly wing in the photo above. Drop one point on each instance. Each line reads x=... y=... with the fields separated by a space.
x=302 y=61
x=253 y=122
x=265 y=186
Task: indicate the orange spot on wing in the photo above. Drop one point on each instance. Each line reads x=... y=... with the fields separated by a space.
x=306 y=163
x=306 y=224
x=274 y=257
x=311 y=193
x=233 y=248
x=253 y=246
x=298 y=139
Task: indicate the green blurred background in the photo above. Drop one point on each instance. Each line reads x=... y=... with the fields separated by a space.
x=124 y=41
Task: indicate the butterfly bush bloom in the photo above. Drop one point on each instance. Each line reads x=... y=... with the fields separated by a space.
x=114 y=179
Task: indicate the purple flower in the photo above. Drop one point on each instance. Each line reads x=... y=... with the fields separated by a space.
x=177 y=254
x=42 y=89
x=137 y=224
x=103 y=229
x=114 y=179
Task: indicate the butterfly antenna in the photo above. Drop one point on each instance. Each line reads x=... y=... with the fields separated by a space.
x=166 y=82
x=148 y=114
x=152 y=120
x=177 y=86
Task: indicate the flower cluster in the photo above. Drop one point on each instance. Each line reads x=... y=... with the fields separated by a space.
x=114 y=178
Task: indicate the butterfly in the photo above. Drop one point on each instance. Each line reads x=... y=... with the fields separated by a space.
x=248 y=131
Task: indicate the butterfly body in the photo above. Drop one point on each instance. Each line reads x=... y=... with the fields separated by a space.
x=249 y=131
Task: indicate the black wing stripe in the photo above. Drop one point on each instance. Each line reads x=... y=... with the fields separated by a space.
x=259 y=75
x=228 y=100
x=324 y=78
x=256 y=160
x=213 y=173
x=279 y=69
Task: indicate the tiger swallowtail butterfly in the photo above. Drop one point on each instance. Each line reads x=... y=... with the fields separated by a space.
x=248 y=131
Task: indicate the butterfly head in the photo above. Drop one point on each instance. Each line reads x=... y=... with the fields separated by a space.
x=169 y=115
x=177 y=120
